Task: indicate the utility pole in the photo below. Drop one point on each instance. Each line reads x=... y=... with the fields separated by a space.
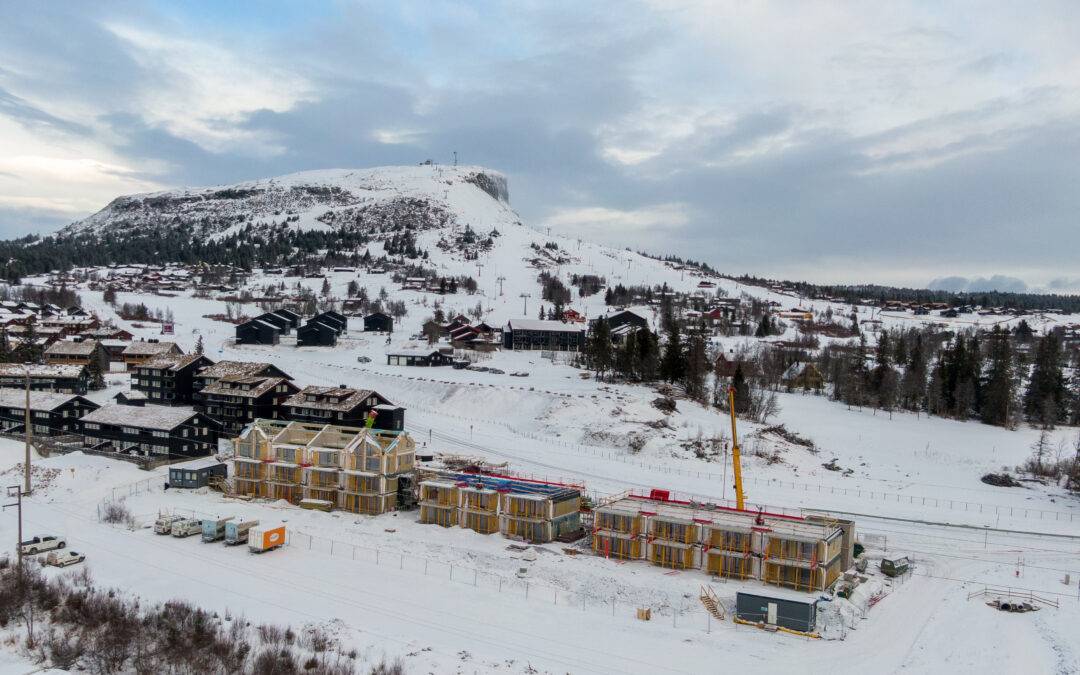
x=501 y=279
x=525 y=297
x=479 y=267
x=29 y=432
x=14 y=492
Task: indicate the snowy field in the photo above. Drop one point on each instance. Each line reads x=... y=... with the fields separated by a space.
x=451 y=600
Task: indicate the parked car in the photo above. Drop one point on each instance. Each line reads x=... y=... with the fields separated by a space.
x=41 y=544
x=164 y=524
x=64 y=558
x=363 y=359
x=187 y=527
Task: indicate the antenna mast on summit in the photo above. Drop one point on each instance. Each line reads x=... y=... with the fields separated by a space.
x=455 y=158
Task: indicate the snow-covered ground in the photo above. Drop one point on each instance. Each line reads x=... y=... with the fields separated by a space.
x=451 y=600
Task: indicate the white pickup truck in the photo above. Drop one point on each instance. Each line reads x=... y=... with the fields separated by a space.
x=41 y=544
x=64 y=558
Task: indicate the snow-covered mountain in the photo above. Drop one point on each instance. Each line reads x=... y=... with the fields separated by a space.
x=369 y=200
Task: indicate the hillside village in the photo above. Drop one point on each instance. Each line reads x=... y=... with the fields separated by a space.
x=547 y=423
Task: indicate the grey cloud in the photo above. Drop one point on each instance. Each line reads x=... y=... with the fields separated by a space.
x=997 y=282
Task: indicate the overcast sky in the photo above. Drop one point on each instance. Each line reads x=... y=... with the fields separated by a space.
x=889 y=142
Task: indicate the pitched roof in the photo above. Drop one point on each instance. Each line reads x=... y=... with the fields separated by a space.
x=39 y=370
x=544 y=325
x=162 y=417
x=232 y=368
x=39 y=400
x=150 y=348
x=71 y=348
x=172 y=362
x=233 y=385
x=330 y=398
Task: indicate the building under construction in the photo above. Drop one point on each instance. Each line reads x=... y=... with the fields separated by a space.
x=806 y=553
x=355 y=469
x=519 y=508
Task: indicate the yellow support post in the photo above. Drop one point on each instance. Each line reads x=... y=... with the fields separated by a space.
x=736 y=460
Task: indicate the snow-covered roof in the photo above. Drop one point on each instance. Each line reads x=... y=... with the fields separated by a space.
x=39 y=400
x=41 y=370
x=161 y=417
x=242 y=385
x=544 y=325
x=227 y=368
x=170 y=361
x=149 y=348
x=329 y=398
x=200 y=463
x=71 y=348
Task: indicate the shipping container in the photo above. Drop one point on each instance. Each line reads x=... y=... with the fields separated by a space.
x=266 y=538
x=214 y=528
x=236 y=531
x=797 y=615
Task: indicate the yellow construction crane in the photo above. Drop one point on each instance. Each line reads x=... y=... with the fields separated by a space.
x=736 y=461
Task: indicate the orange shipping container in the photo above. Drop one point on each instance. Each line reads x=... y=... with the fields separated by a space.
x=266 y=538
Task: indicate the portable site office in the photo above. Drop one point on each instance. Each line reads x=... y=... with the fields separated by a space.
x=806 y=553
x=356 y=469
x=519 y=508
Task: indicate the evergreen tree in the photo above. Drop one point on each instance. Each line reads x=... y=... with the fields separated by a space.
x=696 y=371
x=999 y=404
x=673 y=363
x=648 y=354
x=742 y=390
x=764 y=328
x=913 y=384
x=599 y=348
x=626 y=358
x=199 y=348
x=1046 y=397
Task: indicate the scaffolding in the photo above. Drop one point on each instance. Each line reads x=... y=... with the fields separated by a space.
x=355 y=469
x=518 y=508
x=806 y=553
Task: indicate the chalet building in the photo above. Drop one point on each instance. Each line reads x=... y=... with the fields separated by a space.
x=150 y=431
x=803 y=376
x=210 y=374
x=336 y=319
x=70 y=325
x=378 y=322
x=343 y=406
x=50 y=414
x=546 y=335
x=114 y=349
x=130 y=397
x=238 y=400
x=143 y=350
x=317 y=333
x=170 y=378
x=107 y=333
x=257 y=332
x=419 y=357
x=78 y=353
x=283 y=325
x=292 y=317
x=58 y=379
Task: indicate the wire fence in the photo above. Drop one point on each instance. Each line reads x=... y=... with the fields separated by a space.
x=670 y=469
x=522 y=587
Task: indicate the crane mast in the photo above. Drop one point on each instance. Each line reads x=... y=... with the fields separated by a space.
x=736 y=460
